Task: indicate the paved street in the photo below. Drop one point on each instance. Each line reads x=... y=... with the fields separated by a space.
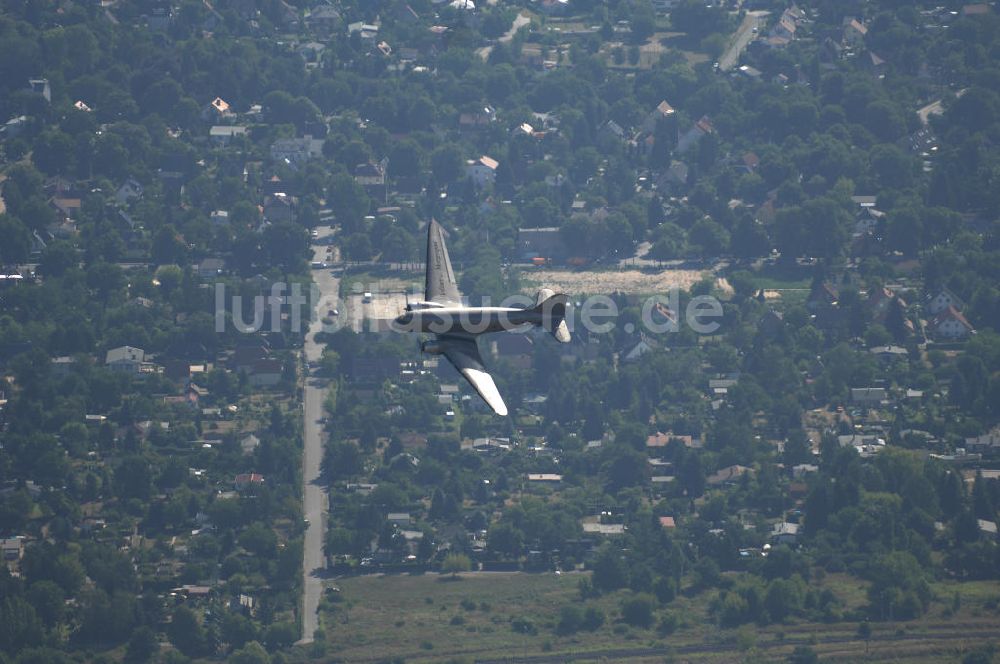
x=744 y=35
x=314 y=494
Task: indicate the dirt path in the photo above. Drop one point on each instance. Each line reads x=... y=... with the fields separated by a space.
x=605 y=283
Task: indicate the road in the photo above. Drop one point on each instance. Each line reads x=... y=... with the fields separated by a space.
x=742 y=38
x=313 y=490
x=520 y=21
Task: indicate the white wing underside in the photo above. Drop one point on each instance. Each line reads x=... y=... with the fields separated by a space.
x=464 y=354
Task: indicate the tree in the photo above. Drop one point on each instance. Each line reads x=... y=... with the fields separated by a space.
x=251 y=653
x=57 y=258
x=280 y=635
x=455 y=563
x=643 y=21
x=19 y=625
x=593 y=618
x=637 y=610
x=167 y=246
x=186 y=633
x=446 y=164
x=570 y=619
x=803 y=655
x=610 y=570
x=506 y=539
x=142 y=645
x=899 y=590
x=865 y=633
x=784 y=598
x=16 y=243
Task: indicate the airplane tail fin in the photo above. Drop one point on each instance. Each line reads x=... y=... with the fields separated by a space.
x=552 y=307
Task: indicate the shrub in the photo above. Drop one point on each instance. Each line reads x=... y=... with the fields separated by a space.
x=637 y=610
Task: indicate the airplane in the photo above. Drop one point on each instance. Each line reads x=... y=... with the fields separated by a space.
x=457 y=326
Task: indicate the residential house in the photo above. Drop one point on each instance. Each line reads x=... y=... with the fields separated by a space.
x=297 y=151
x=824 y=295
x=130 y=190
x=324 y=20
x=663 y=111
x=661 y=483
x=278 y=208
x=366 y=32
x=614 y=129
x=605 y=529
x=479 y=119
x=698 y=130
x=482 y=171
x=12 y=548
x=517 y=349
x=674 y=178
x=249 y=444
x=399 y=519
x=222 y=134
x=771 y=324
x=247 y=353
x=943 y=299
x=545 y=479
x=868 y=395
x=728 y=475
x=126 y=359
x=41 y=87
x=749 y=162
x=641 y=347
x=977 y=9
x=660 y=440
x=541 y=243
x=667 y=522
x=888 y=353
x=265 y=373
x=876 y=65
x=61 y=366
x=311 y=52
x=801 y=470
x=210 y=267
x=246 y=481
x=14 y=126
x=68 y=207
x=951 y=325
x=785 y=533
x=854 y=33
x=372 y=369
x=785 y=28
x=371 y=176
x=217 y=110
x=986 y=443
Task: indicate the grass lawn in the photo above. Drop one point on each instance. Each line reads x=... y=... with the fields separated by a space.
x=499 y=616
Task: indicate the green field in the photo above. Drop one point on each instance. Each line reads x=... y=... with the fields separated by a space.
x=513 y=616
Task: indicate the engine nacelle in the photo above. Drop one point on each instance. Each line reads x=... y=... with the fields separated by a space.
x=432 y=348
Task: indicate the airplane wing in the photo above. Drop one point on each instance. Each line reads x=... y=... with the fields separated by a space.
x=441 y=285
x=464 y=354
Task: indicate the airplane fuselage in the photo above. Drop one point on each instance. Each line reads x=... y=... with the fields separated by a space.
x=466 y=320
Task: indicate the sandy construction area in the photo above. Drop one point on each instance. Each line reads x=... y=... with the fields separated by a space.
x=601 y=283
